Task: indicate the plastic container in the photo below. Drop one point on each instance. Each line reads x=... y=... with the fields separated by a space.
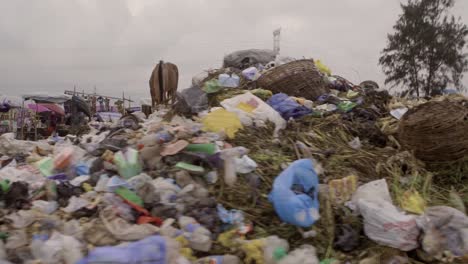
x=229 y=156
x=198 y=236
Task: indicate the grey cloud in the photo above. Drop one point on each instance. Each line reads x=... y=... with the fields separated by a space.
x=52 y=45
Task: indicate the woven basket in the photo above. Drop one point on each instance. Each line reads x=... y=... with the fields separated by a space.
x=437 y=132
x=299 y=78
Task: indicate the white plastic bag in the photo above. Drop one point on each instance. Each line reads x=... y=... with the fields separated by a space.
x=22 y=218
x=123 y=230
x=245 y=164
x=57 y=249
x=305 y=254
x=384 y=224
x=45 y=206
x=75 y=204
x=260 y=113
x=374 y=190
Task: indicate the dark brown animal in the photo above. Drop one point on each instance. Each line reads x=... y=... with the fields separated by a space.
x=163 y=83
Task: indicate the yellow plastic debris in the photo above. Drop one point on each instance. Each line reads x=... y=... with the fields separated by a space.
x=342 y=190
x=222 y=121
x=413 y=202
x=185 y=250
x=324 y=69
x=228 y=239
x=253 y=250
x=87 y=187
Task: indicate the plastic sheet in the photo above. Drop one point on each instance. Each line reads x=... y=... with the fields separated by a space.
x=153 y=249
x=384 y=224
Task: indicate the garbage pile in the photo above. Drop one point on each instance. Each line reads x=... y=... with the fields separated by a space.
x=241 y=174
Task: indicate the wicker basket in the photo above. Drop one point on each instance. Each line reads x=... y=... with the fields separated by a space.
x=436 y=131
x=298 y=78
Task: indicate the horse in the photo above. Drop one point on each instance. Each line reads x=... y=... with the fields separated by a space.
x=163 y=83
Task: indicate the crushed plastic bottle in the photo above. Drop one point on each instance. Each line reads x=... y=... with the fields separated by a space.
x=226 y=259
x=229 y=156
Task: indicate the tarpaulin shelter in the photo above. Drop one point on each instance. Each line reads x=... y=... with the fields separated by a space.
x=39 y=108
x=46 y=98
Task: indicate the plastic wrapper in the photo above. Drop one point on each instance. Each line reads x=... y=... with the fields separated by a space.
x=252 y=110
x=342 y=190
x=287 y=106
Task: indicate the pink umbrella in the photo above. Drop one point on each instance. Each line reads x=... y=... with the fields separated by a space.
x=38 y=108
x=55 y=108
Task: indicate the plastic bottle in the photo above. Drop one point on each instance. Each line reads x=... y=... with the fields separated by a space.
x=198 y=236
x=226 y=259
x=208 y=148
x=229 y=155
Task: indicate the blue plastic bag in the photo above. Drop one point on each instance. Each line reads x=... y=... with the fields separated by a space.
x=151 y=250
x=287 y=107
x=82 y=169
x=295 y=194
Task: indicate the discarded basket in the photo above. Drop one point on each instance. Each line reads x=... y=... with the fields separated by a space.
x=299 y=78
x=436 y=131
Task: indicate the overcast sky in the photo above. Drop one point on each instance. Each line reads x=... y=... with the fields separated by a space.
x=53 y=45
